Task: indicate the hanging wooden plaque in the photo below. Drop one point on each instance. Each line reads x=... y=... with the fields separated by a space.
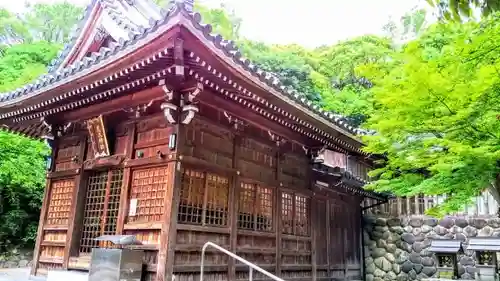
x=98 y=138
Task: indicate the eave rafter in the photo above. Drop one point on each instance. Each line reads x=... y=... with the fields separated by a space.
x=262 y=106
x=104 y=94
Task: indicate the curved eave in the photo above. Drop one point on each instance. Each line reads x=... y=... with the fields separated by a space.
x=78 y=33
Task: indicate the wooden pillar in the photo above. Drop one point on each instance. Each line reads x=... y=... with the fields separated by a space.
x=39 y=236
x=76 y=212
x=233 y=207
x=277 y=209
x=43 y=212
x=127 y=174
x=328 y=251
x=313 y=214
x=165 y=266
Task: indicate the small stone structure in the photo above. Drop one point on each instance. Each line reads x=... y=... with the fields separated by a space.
x=397 y=248
x=16 y=258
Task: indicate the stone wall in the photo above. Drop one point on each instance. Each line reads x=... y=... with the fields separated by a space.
x=397 y=248
x=16 y=258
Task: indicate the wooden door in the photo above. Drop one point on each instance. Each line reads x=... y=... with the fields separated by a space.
x=102 y=204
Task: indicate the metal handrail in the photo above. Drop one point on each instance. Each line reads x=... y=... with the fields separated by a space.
x=238 y=258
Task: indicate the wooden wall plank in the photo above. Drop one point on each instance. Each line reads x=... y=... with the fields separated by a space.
x=43 y=212
x=77 y=201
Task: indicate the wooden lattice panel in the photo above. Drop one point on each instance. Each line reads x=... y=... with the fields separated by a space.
x=208 y=276
x=302 y=219
x=194 y=258
x=186 y=237
x=203 y=199
x=191 y=197
x=262 y=259
x=217 y=199
x=295 y=274
x=148 y=188
x=54 y=236
x=287 y=213
x=244 y=275
x=295 y=214
x=51 y=253
x=255 y=207
x=146 y=237
x=59 y=208
x=101 y=208
x=247 y=241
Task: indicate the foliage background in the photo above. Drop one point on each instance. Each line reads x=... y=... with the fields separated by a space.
x=428 y=92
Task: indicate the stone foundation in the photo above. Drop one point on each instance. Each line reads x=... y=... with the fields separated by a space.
x=16 y=259
x=396 y=249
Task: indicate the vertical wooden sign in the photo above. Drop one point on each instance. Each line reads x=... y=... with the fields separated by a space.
x=97 y=134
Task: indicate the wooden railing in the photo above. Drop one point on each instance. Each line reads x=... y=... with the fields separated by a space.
x=484 y=205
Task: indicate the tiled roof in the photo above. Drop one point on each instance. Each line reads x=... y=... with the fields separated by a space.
x=137 y=32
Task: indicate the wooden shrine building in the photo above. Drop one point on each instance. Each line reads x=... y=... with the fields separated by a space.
x=161 y=129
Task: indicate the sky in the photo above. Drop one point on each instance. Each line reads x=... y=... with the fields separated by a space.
x=307 y=22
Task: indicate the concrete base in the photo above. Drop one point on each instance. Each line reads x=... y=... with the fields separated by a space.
x=64 y=275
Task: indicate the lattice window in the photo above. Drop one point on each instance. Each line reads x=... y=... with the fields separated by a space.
x=203 y=199
x=60 y=202
x=148 y=187
x=295 y=214
x=287 y=212
x=445 y=260
x=486 y=258
x=217 y=190
x=301 y=215
x=101 y=208
x=255 y=208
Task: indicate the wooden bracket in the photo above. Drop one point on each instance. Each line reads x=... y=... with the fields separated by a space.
x=137 y=111
x=237 y=124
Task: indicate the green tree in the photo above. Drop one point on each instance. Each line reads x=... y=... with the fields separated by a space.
x=41 y=22
x=22 y=161
x=458 y=10
x=435 y=115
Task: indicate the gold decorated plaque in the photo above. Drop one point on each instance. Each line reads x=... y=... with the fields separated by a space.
x=98 y=138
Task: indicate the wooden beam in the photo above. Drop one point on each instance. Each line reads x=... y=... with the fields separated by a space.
x=114 y=105
x=127 y=178
x=77 y=201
